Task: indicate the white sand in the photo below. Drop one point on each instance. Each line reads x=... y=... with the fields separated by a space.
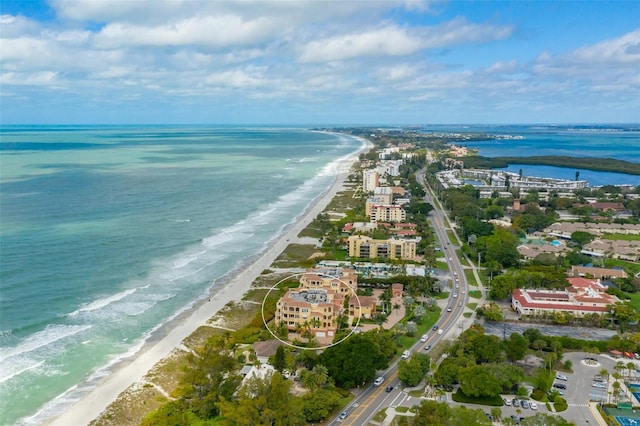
x=94 y=403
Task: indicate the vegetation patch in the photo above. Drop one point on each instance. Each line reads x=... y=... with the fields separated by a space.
x=467 y=314
x=477 y=294
x=131 y=406
x=255 y=295
x=471 y=278
x=380 y=416
x=296 y=255
x=472 y=305
x=623 y=237
x=402 y=409
x=199 y=337
x=494 y=401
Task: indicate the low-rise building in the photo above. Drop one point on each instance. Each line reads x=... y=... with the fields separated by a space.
x=581 y=297
x=599 y=273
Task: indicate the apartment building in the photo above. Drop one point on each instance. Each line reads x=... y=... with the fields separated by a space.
x=370 y=180
x=361 y=246
x=316 y=304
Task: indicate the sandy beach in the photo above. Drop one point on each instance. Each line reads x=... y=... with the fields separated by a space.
x=134 y=369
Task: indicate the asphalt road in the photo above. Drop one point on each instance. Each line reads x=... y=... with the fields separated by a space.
x=373 y=399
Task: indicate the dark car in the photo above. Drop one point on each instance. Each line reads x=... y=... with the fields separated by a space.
x=516 y=403
x=427 y=347
x=389 y=389
x=435 y=327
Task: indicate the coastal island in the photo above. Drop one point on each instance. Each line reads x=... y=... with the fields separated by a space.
x=419 y=284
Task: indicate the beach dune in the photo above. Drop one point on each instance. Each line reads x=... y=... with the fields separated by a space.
x=173 y=333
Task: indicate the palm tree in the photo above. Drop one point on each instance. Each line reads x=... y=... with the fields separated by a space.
x=616 y=390
x=630 y=367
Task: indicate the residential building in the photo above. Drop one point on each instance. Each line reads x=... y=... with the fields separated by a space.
x=316 y=304
x=384 y=193
x=387 y=213
x=599 y=273
x=370 y=180
x=361 y=246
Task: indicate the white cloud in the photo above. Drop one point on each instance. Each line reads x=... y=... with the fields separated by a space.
x=218 y=31
x=621 y=50
x=392 y=40
x=389 y=41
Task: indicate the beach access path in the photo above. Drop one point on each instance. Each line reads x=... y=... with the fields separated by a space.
x=133 y=370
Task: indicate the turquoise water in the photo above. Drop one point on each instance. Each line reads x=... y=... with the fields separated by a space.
x=106 y=233
x=620 y=142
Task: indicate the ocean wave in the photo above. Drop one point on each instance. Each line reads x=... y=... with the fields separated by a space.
x=9 y=369
x=101 y=303
x=41 y=339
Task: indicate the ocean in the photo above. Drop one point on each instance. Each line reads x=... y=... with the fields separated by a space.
x=621 y=142
x=108 y=232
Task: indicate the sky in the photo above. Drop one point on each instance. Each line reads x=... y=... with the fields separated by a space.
x=319 y=62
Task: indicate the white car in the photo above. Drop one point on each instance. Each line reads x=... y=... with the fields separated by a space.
x=533 y=405
x=406 y=354
x=378 y=381
x=561 y=377
x=424 y=338
x=455 y=294
x=599 y=385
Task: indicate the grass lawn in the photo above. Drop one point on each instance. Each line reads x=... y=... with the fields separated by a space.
x=453 y=238
x=471 y=279
x=441 y=295
x=428 y=320
x=632 y=267
x=635 y=299
x=463 y=260
x=442 y=265
x=623 y=237
x=472 y=305
x=475 y=294
x=467 y=314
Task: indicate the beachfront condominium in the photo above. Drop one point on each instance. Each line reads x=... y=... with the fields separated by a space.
x=370 y=180
x=323 y=295
x=363 y=247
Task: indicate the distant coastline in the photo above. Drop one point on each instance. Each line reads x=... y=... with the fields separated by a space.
x=595 y=164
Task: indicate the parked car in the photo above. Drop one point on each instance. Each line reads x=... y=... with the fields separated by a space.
x=515 y=419
x=560 y=386
x=561 y=377
x=533 y=406
x=507 y=402
x=516 y=403
x=524 y=404
x=598 y=378
x=599 y=385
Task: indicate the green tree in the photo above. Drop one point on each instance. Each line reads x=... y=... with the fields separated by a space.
x=356 y=360
x=541 y=419
x=493 y=312
x=263 y=401
x=515 y=347
x=478 y=381
x=316 y=378
x=624 y=313
x=280 y=359
x=502 y=286
x=411 y=372
x=317 y=405
x=581 y=238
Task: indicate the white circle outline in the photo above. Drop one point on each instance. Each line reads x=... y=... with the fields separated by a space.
x=304 y=347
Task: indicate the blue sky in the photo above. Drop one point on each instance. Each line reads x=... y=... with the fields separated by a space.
x=319 y=62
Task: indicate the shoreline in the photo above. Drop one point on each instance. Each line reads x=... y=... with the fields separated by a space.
x=170 y=335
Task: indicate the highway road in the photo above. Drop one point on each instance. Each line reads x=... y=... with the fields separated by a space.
x=375 y=398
